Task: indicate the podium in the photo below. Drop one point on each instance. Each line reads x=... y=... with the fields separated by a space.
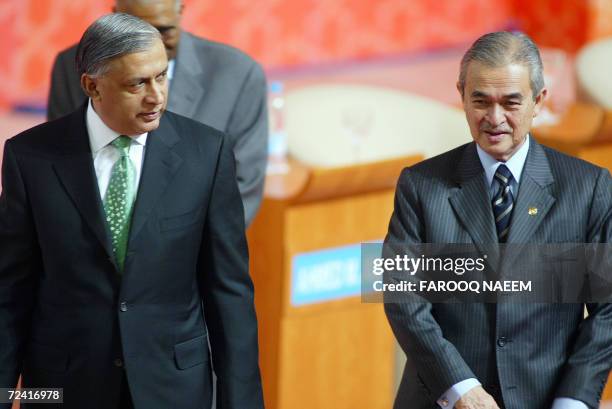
x=320 y=346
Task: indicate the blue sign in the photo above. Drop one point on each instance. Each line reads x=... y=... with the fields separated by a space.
x=326 y=275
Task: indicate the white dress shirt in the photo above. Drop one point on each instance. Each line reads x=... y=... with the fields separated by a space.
x=170 y=72
x=515 y=165
x=105 y=155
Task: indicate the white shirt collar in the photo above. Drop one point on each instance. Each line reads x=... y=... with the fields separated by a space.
x=100 y=135
x=515 y=164
x=170 y=72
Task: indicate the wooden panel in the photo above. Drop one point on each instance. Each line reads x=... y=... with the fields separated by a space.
x=267 y=270
x=336 y=354
x=337 y=360
x=600 y=155
x=350 y=220
x=338 y=222
x=585 y=131
x=326 y=183
x=604 y=134
x=607 y=394
x=578 y=126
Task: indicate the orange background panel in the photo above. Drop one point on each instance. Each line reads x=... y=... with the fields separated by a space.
x=285 y=33
x=277 y=33
x=600 y=18
x=561 y=24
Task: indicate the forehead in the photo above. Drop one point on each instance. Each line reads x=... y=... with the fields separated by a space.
x=507 y=79
x=141 y=64
x=155 y=12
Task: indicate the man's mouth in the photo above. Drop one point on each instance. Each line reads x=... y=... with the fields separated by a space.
x=150 y=116
x=496 y=136
x=496 y=133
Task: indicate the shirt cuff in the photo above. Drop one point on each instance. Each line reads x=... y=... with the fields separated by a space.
x=455 y=392
x=568 y=403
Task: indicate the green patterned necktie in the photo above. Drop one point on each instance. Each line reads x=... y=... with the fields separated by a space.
x=119 y=199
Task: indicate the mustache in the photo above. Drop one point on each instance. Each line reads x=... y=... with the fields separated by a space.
x=488 y=128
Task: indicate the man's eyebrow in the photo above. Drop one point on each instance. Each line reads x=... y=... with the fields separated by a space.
x=514 y=95
x=478 y=94
x=139 y=79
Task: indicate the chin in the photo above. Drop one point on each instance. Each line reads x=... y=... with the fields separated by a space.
x=149 y=126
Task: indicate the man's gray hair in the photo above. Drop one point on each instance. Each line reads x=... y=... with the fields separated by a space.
x=112 y=36
x=503 y=48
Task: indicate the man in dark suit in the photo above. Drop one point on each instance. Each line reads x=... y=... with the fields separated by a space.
x=503 y=187
x=210 y=82
x=122 y=241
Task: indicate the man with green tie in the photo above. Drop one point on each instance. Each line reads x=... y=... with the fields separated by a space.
x=122 y=246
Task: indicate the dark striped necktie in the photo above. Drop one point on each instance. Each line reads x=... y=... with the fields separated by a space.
x=503 y=202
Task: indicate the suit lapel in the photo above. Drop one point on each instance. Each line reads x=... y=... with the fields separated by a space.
x=475 y=214
x=533 y=203
x=76 y=173
x=186 y=83
x=159 y=167
x=534 y=199
x=471 y=205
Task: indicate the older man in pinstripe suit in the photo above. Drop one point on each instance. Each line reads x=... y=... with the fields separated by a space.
x=512 y=356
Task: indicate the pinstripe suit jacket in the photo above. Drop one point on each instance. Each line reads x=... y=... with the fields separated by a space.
x=525 y=355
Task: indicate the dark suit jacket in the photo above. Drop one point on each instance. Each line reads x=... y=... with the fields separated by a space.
x=525 y=354
x=213 y=83
x=70 y=320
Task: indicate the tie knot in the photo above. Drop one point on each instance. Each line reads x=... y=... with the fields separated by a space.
x=503 y=174
x=123 y=144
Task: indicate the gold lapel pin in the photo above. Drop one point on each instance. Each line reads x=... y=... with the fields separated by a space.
x=532 y=211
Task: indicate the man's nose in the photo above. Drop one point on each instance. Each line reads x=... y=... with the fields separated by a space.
x=495 y=115
x=156 y=93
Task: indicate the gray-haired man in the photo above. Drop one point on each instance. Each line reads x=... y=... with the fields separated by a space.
x=122 y=241
x=503 y=187
x=209 y=82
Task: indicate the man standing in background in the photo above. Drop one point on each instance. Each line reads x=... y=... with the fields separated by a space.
x=209 y=82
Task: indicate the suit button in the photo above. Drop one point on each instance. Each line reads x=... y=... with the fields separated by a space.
x=501 y=342
x=118 y=363
x=123 y=306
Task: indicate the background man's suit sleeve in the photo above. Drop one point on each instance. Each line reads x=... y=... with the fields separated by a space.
x=63 y=79
x=586 y=371
x=19 y=270
x=227 y=291
x=438 y=362
x=249 y=127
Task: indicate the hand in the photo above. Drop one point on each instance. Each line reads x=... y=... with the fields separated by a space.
x=476 y=398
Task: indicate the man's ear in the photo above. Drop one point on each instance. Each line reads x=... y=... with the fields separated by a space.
x=460 y=89
x=539 y=101
x=90 y=86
